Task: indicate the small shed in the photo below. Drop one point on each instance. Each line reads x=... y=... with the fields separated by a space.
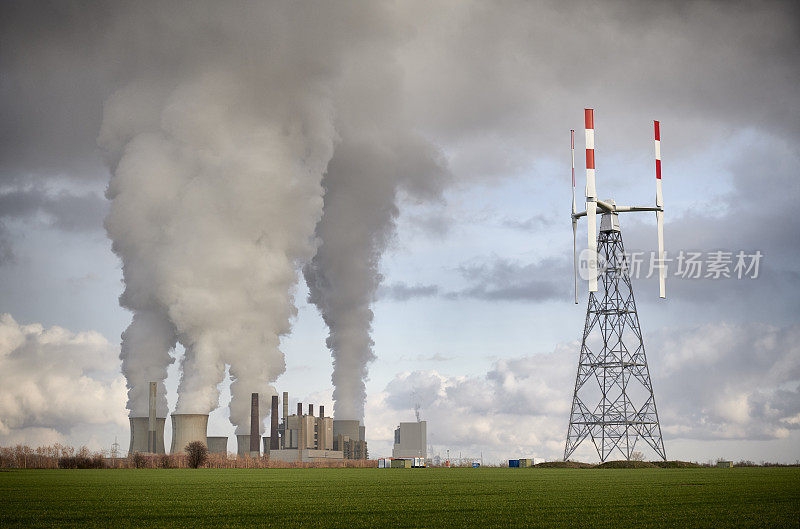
x=525 y=463
x=513 y=463
x=401 y=463
x=724 y=464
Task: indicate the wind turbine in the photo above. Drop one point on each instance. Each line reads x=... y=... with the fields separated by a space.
x=595 y=206
x=626 y=411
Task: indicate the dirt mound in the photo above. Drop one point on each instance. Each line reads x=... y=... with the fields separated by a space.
x=676 y=464
x=626 y=464
x=563 y=464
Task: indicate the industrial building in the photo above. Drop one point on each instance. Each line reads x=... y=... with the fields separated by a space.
x=297 y=437
x=304 y=437
x=411 y=440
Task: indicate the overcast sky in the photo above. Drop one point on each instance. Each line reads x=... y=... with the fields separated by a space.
x=474 y=319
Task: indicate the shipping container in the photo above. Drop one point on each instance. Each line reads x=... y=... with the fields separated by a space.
x=513 y=463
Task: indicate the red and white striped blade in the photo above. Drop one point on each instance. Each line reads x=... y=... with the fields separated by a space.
x=591 y=201
x=662 y=291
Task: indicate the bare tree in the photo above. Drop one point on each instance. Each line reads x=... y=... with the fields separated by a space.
x=197 y=454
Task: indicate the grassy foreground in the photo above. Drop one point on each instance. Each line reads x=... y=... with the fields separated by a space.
x=351 y=498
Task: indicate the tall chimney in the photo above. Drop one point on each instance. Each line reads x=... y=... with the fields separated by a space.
x=321 y=411
x=255 y=431
x=311 y=410
x=273 y=431
x=151 y=422
x=299 y=409
x=285 y=405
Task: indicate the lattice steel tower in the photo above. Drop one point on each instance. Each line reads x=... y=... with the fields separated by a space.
x=613 y=402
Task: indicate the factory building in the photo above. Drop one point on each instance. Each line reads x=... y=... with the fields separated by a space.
x=305 y=437
x=411 y=440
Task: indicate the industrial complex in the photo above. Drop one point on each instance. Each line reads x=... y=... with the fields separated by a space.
x=297 y=437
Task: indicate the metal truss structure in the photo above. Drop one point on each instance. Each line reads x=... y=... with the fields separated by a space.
x=613 y=403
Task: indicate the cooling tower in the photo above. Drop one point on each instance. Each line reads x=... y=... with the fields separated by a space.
x=243 y=444
x=217 y=445
x=139 y=426
x=187 y=427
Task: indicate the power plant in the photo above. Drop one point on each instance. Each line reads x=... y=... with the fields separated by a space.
x=297 y=437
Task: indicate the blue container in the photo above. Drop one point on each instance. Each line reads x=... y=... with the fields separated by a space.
x=513 y=463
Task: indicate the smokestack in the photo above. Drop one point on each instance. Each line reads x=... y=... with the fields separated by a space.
x=299 y=409
x=152 y=444
x=321 y=412
x=311 y=410
x=255 y=430
x=273 y=431
x=285 y=405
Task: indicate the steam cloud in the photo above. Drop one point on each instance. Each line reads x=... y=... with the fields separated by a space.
x=216 y=192
x=364 y=180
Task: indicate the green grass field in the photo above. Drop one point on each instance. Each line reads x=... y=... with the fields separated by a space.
x=350 y=498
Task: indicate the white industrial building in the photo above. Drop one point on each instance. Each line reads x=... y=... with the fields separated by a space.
x=411 y=440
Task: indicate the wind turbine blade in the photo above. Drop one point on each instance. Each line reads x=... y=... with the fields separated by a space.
x=662 y=290
x=575 y=255
x=574 y=220
x=659 y=214
x=572 y=152
x=591 y=201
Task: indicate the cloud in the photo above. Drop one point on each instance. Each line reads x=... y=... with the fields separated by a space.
x=505 y=280
x=714 y=382
x=56 y=383
x=534 y=223
x=399 y=291
x=726 y=381
x=64 y=210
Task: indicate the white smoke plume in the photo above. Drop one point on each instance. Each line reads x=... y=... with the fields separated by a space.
x=216 y=189
x=378 y=162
